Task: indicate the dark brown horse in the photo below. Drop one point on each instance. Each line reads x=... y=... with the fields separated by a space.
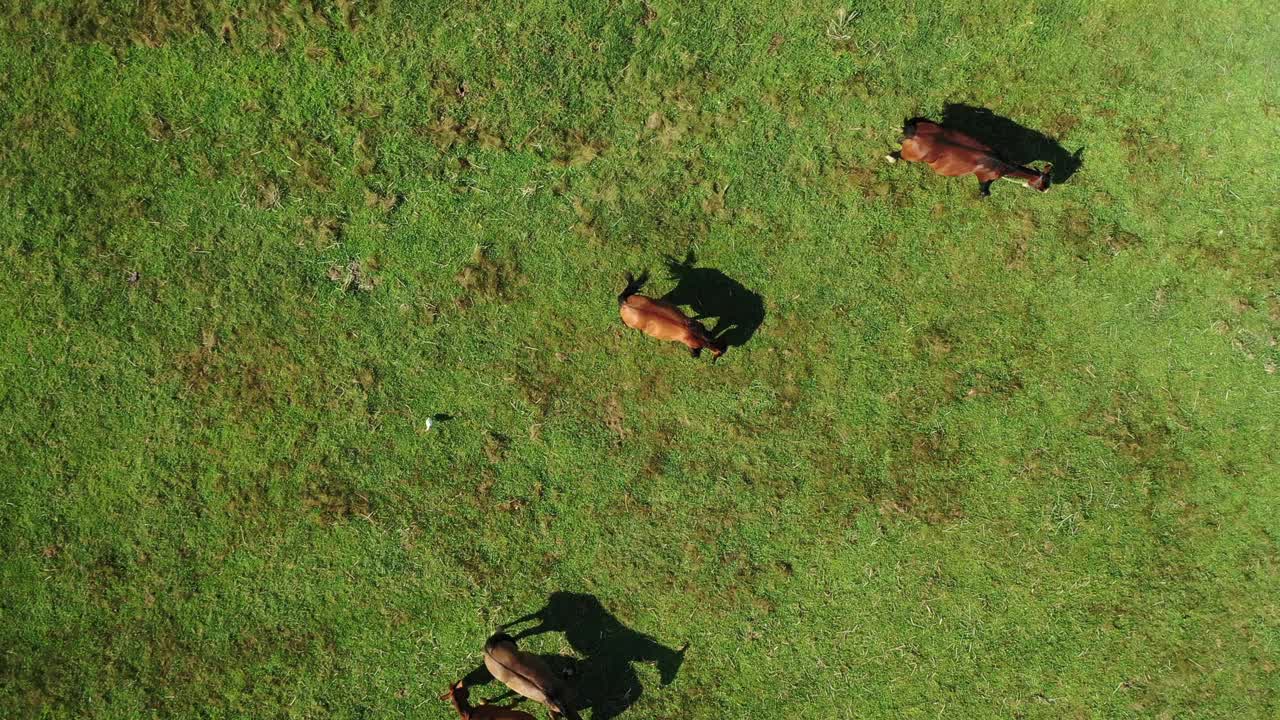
x=458 y=695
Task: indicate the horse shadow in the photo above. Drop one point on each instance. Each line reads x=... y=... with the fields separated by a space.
x=712 y=294
x=603 y=679
x=1014 y=142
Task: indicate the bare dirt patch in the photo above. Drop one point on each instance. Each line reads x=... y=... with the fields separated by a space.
x=447 y=133
x=496 y=447
x=906 y=502
x=614 y=419
x=321 y=233
x=356 y=277
x=197 y=367
x=486 y=278
x=935 y=342
x=577 y=150
x=1015 y=254
x=1062 y=125
x=365 y=157
x=158 y=128
x=270 y=194
x=310 y=157
x=386 y=202
x=154 y=23
x=586 y=227
x=1144 y=147
x=981 y=385
x=336 y=501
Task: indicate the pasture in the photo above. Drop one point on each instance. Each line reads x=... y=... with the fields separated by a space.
x=312 y=373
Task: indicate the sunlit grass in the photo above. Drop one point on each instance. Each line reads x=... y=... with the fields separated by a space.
x=313 y=373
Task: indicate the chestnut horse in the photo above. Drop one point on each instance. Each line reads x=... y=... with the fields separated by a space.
x=663 y=320
x=953 y=153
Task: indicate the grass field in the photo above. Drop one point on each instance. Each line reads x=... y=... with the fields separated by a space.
x=1012 y=458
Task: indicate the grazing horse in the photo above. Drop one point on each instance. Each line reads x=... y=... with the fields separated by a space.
x=953 y=153
x=527 y=674
x=458 y=695
x=663 y=320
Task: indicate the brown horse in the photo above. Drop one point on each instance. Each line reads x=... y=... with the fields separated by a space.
x=458 y=695
x=663 y=320
x=527 y=674
x=953 y=153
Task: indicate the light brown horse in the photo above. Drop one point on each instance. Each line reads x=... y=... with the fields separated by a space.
x=527 y=674
x=663 y=320
x=458 y=695
x=953 y=153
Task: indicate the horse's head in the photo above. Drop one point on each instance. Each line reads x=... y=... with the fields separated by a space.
x=1043 y=182
x=717 y=348
x=457 y=692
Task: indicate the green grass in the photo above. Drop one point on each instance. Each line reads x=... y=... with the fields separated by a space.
x=1003 y=458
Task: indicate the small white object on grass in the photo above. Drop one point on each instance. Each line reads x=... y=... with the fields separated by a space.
x=891 y=158
x=428 y=424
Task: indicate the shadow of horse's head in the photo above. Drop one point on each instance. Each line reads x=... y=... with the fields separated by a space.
x=710 y=293
x=1012 y=141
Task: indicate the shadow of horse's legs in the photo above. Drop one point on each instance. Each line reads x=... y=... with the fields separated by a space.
x=605 y=679
x=608 y=687
x=710 y=293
